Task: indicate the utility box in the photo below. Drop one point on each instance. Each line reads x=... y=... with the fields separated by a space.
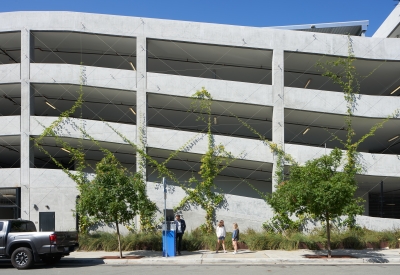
x=169 y=239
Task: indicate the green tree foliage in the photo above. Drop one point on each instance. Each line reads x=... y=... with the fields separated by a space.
x=319 y=189
x=145 y=207
x=112 y=196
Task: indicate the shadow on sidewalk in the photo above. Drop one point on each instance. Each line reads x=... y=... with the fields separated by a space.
x=373 y=256
x=64 y=263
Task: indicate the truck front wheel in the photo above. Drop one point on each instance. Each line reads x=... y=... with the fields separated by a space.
x=22 y=258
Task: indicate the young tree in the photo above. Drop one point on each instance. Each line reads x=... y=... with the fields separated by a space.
x=145 y=206
x=319 y=189
x=111 y=197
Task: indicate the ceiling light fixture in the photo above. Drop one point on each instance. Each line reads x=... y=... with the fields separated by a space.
x=306 y=130
x=391 y=204
x=395 y=90
x=308 y=83
x=393 y=138
x=133 y=67
x=133 y=111
x=65 y=150
x=48 y=103
x=215 y=120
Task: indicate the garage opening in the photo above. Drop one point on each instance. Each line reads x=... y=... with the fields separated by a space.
x=10 y=203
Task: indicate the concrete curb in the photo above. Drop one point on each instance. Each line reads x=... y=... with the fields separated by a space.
x=228 y=261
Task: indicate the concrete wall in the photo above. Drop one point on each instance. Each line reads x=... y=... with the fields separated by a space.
x=56 y=190
x=10 y=73
x=10 y=177
x=391 y=22
x=10 y=126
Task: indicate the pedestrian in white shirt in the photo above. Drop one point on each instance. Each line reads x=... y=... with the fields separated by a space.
x=221 y=233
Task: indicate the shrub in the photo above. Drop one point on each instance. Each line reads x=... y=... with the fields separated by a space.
x=356 y=238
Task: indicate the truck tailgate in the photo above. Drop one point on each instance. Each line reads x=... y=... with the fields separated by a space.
x=66 y=238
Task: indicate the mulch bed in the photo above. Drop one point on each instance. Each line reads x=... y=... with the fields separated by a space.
x=326 y=257
x=123 y=258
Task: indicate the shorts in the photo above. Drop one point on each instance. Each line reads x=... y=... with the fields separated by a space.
x=221 y=238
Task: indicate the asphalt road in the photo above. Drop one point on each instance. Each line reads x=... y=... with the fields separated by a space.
x=381 y=269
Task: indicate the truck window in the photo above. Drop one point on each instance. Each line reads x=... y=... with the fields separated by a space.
x=22 y=226
x=1 y=226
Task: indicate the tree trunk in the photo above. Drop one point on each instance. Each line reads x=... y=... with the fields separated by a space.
x=119 y=241
x=328 y=235
x=209 y=218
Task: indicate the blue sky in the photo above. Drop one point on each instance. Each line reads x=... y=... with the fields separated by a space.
x=245 y=12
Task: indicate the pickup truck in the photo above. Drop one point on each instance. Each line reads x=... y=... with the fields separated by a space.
x=20 y=241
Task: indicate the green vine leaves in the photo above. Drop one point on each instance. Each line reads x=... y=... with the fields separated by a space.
x=145 y=206
x=213 y=162
x=343 y=72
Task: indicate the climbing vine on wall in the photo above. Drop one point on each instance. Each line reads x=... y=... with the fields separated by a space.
x=343 y=72
x=202 y=192
x=145 y=206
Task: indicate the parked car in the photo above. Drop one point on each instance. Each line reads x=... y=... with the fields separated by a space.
x=20 y=241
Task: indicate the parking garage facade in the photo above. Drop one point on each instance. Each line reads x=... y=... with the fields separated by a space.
x=138 y=74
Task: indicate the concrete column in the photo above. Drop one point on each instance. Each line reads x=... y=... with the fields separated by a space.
x=27 y=109
x=141 y=107
x=141 y=101
x=278 y=115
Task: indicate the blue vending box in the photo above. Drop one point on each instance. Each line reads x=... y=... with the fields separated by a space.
x=169 y=236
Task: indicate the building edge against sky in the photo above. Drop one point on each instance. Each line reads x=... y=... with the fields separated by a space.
x=138 y=75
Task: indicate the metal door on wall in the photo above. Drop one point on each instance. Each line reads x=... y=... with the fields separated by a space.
x=47 y=221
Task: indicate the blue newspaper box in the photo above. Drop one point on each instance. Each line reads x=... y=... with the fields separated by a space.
x=169 y=243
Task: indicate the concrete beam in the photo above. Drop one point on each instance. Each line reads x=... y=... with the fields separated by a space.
x=97 y=129
x=219 y=34
x=246 y=149
x=95 y=76
x=334 y=103
x=373 y=164
x=10 y=126
x=10 y=73
x=10 y=177
x=221 y=90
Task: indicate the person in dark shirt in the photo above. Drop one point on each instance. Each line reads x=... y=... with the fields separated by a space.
x=235 y=237
x=180 y=230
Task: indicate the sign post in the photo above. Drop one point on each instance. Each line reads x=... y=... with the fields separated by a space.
x=164 y=182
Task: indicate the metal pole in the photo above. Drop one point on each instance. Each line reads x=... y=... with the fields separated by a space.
x=381 y=198
x=164 y=181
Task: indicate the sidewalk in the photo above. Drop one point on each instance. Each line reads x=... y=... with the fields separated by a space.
x=366 y=256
